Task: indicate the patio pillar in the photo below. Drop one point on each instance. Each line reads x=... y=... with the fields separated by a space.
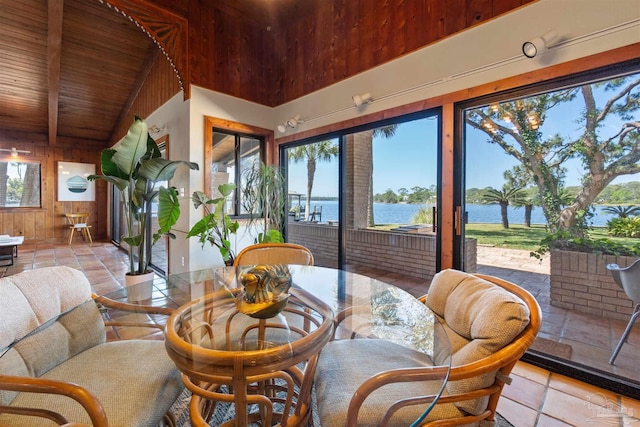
x=358 y=158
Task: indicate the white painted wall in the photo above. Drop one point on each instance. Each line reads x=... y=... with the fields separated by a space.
x=489 y=52
x=208 y=103
x=173 y=119
x=486 y=53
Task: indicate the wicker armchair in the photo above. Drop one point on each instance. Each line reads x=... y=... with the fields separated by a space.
x=57 y=365
x=274 y=253
x=490 y=323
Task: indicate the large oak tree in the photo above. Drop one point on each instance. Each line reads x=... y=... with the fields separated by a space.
x=605 y=154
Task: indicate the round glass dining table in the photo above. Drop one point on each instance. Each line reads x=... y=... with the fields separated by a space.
x=244 y=370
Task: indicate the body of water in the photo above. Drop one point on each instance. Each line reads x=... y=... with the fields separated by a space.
x=401 y=213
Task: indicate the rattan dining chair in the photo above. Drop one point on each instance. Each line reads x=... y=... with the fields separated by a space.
x=629 y=280
x=490 y=323
x=274 y=253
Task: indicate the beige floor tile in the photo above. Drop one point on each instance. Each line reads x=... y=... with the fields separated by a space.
x=531 y=372
x=517 y=414
x=547 y=421
x=630 y=407
x=525 y=392
x=579 y=411
x=578 y=389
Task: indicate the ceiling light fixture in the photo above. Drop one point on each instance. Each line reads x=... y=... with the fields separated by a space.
x=539 y=44
x=14 y=152
x=359 y=100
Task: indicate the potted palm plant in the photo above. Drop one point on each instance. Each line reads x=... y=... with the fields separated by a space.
x=264 y=197
x=135 y=167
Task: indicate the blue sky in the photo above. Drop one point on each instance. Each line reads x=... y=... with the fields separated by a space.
x=409 y=158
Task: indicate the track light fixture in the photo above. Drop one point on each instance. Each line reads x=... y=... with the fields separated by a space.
x=291 y=123
x=359 y=100
x=14 y=152
x=539 y=44
x=155 y=129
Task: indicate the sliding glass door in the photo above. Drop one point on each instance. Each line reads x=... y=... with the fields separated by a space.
x=366 y=199
x=558 y=166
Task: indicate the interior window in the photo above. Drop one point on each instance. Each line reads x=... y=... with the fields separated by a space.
x=231 y=155
x=19 y=184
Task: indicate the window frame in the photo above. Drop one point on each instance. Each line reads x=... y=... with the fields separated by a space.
x=10 y=159
x=239 y=130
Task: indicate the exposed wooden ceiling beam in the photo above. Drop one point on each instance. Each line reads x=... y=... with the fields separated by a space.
x=54 y=48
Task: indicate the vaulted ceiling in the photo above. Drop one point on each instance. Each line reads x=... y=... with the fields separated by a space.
x=69 y=69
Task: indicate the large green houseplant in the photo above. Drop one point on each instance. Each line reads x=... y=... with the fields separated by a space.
x=215 y=227
x=135 y=167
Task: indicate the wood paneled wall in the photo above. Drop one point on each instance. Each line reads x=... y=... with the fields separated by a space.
x=312 y=44
x=48 y=224
x=342 y=38
x=231 y=53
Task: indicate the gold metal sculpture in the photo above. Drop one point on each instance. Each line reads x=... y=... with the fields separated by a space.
x=265 y=290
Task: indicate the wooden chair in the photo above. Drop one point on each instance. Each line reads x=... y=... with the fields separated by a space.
x=490 y=323
x=78 y=222
x=274 y=253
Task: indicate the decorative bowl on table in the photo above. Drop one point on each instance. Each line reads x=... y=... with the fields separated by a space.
x=265 y=290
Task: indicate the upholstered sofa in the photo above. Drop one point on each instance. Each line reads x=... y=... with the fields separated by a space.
x=56 y=362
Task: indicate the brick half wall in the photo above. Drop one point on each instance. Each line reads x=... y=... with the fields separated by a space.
x=410 y=254
x=580 y=281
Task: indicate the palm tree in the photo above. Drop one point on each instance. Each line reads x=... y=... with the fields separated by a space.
x=386 y=132
x=322 y=151
x=622 y=211
x=504 y=197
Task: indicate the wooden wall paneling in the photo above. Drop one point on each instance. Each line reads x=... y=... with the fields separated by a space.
x=416 y=25
x=200 y=34
x=277 y=72
x=40 y=225
x=352 y=36
x=478 y=11
x=398 y=26
x=371 y=19
x=337 y=54
x=28 y=224
x=7 y=223
x=48 y=224
x=311 y=43
x=502 y=6
x=455 y=16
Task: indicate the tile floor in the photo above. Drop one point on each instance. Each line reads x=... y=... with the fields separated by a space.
x=535 y=398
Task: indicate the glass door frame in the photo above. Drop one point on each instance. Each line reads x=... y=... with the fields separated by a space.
x=341 y=136
x=577 y=370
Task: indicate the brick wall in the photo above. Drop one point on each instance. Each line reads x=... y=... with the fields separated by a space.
x=411 y=254
x=581 y=282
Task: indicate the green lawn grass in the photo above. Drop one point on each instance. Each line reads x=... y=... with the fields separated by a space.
x=517 y=236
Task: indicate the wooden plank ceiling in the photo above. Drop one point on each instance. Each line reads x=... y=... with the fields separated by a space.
x=70 y=69
x=67 y=71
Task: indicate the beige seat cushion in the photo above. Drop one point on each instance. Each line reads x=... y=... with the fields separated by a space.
x=135 y=382
x=345 y=364
x=480 y=318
